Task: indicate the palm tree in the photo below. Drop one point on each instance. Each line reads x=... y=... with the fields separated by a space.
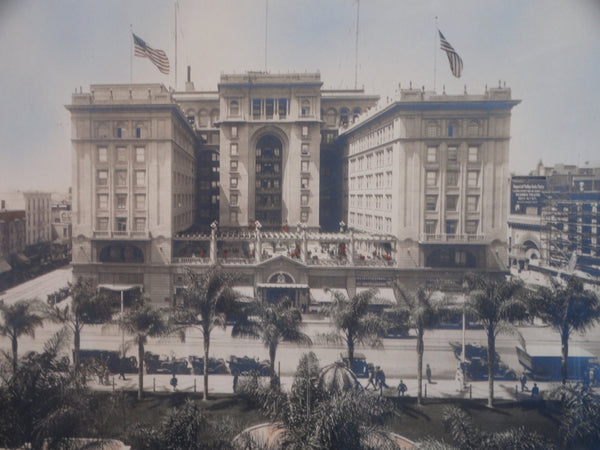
x=566 y=307
x=496 y=303
x=209 y=298
x=22 y=317
x=354 y=324
x=145 y=322
x=87 y=306
x=273 y=323
x=424 y=312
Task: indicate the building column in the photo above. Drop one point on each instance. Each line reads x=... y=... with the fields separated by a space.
x=258 y=246
x=350 y=250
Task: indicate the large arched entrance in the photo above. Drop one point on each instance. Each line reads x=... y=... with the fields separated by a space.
x=269 y=151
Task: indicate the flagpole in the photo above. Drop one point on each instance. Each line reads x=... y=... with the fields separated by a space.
x=266 y=29
x=435 y=53
x=176 y=8
x=356 y=47
x=131 y=56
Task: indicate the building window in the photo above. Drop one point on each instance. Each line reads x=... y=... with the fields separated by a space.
x=119 y=132
x=233 y=182
x=473 y=128
x=214 y=157
x=304 y=131
x=102 y=223
x=473 y=178
x=344 y=112
x=102 y=154
x=451 y=202
x=121 y=224
x=256 y=107
x=473 y=155
x=234 y=108
x=452 y=154
x=234 y=132
x=233 y=165
x=103 y=201
x=431 y=178
x=304 y=183
x=432 y=129
x=269 y=108
x=430 y=202
x=233 y=149
x=140 y=223
x=430 y=226
x=140 y=201
x=102 y=178
x=140 y=154
x=452 y=178
x=460 y=258
x=140 y=177
x=305 y=108
x=282 y=108
x=121 y=155
x=304 y=149
x=214 y=199
x=431 y=154
x=304 y=216
x=120 y=177
x=233 y=215
x=450 y=130
x=233 y=199
x=472 y=203
x=138 y=133
x=304 y=200
x=121 y=201
x=471 y=226
x=451 y=226
x=304 y=166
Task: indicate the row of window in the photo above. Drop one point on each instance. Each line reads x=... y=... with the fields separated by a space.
x=433 y=128
x=372 y=160
x=451 y=227
x=121 y=177
x=121 y=155
x=370 y=201
x=433 y=154
x=376 y=181
x=452 y=178
x=377 y=223
x=121 y=201
x=373 y=139
x=120 y=224
x=431 y=203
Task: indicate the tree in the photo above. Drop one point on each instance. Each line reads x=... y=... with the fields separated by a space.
x=496 y=303
x=354 y=324
x=424 y=312
x=273 y=323
x=566 y=307
x=209 y=299
x=143 y=322
x=20 y=318
x=87 y=306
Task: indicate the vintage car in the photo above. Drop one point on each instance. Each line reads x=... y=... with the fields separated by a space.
x=245 y=365
x=112 y=359
x=218 y=366
x=475 y=365
x=162 y=364
x=360 y=367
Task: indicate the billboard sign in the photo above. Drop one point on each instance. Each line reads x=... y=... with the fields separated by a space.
x=526 y=193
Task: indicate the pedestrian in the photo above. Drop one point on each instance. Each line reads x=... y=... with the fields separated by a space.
x=174 y=382
x=535 y=391
x=122 y=369
x=524 y=383
x=428 y=373
x=236 y=374
x=402 y=388
x=371 y=382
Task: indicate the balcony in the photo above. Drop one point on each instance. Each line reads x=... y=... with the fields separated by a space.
x=120 y=235
x=452 y=239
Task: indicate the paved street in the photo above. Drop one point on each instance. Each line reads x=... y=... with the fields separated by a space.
x=397 y=357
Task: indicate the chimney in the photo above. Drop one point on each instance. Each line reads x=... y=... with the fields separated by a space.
x=189 y=85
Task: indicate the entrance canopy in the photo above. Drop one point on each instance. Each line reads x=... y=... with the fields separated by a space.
x=282 y=286
x=119 y=287
x=322 y=295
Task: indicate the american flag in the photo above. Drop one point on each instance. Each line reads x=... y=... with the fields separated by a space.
x=453 y=58
x=158 y=57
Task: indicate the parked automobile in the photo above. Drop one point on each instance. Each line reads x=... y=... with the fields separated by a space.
x=218 y=366
x=162 y=364
x=112 y=359
x=360 y=367
x=246 y=365
x=476 y=361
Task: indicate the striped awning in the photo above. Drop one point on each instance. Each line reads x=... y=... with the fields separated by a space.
x=385 y=295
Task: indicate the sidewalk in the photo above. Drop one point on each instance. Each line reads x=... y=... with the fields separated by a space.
x=223 y=384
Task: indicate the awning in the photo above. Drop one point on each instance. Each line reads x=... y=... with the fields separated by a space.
x=119 y=287
x=322 y=295
x=282 y=286
x=385 y=295
x=245 y=291
x=4 y=266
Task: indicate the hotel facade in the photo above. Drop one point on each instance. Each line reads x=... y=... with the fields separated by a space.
x=294 y=187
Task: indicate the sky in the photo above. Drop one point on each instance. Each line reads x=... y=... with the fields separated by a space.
x=546 y=51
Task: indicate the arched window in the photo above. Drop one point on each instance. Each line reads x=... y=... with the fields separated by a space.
x=203 y=118
x=305 y=108
x=331 y=117
x=355 y=113
x=344 y=117
x=234 y=108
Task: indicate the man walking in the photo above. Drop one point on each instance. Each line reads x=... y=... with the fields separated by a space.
x=428 y=374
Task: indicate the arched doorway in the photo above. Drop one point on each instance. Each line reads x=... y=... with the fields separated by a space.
x=268 y=181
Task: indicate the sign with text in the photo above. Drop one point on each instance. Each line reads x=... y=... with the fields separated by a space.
x=526 y=193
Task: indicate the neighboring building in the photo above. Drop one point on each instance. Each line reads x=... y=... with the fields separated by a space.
x=37 y=213
x=61 y=219
x=554 y=218
x=253 y=176
x=12 y=237
x=432 y=170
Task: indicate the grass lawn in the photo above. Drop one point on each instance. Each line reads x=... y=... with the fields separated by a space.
x=120 y=410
